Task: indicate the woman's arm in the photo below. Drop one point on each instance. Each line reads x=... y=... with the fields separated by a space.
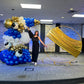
x=30 y=33
x=28 y=28
x=41 y=41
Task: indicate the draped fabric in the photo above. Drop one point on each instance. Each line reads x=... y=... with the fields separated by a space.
x=69 y=44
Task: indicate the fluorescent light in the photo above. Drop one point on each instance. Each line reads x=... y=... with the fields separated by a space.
x=1 y=14
x=62 y=17
x=46 y=20
x=31 y=6
x=71 y=9
x=78 y=15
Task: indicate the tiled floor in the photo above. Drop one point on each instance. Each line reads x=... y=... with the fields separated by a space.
x=45 y=70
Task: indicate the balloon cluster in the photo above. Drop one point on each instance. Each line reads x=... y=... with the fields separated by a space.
x=15 y=38
x=29 y=22
x=13 y=32
x=8 y=57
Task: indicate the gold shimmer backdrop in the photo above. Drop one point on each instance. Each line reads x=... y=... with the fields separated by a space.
x=76 y=27
x=72 y=46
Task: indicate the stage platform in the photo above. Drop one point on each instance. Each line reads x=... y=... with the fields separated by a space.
x=51 y=66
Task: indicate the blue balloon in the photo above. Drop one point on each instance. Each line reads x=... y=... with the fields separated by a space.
x=13 y=32
x=9 y=57
x=29 y=21
x=7 y=62
x=29 y=60
x=20 y=58
x=6 y=59
x=25 y=60
x=15 y=58
x=16 y=62
x=11 y=62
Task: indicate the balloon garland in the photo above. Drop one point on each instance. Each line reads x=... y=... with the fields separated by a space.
x=15 y=38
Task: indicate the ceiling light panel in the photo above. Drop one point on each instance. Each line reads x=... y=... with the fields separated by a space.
x=78 y=15
x=31 y=6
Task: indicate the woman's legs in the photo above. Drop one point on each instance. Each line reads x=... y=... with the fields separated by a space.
x=35 y=54
x=35 y=50
x=36 y=57
x=32 y=56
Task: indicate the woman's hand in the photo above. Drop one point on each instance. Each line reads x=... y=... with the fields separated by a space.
x=45 y=45
x=28 y=28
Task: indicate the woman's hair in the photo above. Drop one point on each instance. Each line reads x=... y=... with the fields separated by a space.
x=37 y=34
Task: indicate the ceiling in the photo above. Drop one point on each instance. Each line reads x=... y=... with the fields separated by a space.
x=51 y=9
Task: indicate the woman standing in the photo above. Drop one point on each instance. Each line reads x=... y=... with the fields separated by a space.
x=35 y=47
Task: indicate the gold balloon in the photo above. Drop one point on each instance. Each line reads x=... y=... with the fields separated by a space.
x=36 y=22
x=12 y=49
x=18 y=47
x=25 y=47
x=21 y=25
x=20 y=30
x=8 y=23
x=15 y=19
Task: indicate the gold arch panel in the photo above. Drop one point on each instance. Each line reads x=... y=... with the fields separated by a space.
x=72 y=46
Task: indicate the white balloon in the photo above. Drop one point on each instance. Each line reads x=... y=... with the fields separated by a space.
x=5 y=37
x=10 y=37
x=25 y=37
x=17 y=54
x=17 y=40
x=21 y=20
x=5 y=42
x=15 y=44
x=8 y=45
x=16 y=25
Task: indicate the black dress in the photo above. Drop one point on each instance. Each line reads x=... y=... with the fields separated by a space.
x=35 y=46
x=35 y=49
